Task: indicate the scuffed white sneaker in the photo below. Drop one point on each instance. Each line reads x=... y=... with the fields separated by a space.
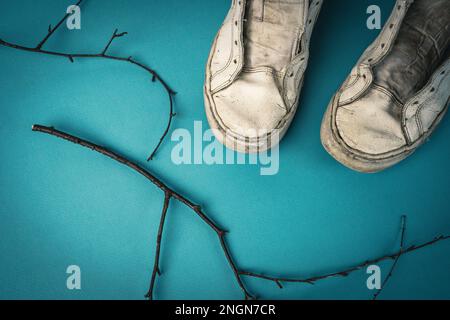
x=397 y=93
x=255 y=71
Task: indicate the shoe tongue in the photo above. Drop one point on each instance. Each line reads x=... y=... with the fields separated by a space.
x=420 y=47
x=271 y=32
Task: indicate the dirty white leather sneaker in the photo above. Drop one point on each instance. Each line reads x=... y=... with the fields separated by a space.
x=397 y=93
x=255 y=71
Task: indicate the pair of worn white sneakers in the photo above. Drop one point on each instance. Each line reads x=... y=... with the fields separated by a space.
x=390 y=103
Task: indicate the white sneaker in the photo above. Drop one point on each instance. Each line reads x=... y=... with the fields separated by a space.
x=255 y=71
x=397 y=93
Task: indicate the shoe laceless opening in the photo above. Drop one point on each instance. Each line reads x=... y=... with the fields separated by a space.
x=420 y=48
x=271 y=32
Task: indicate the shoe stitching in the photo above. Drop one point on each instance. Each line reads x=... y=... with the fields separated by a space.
x=240 y=18
x=215 y=44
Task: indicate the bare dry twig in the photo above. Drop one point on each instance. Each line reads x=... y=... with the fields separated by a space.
x=221 y=234
x=168 y=193
x=346 y=272
x=103 y=55
x=391 y=271
x=156 y=270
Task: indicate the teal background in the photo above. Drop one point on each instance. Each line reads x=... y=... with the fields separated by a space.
x=61 y=204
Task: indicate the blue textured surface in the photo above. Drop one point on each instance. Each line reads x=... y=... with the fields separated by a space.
x=62 y=205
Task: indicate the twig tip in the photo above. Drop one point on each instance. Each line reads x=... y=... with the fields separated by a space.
x=279 y=284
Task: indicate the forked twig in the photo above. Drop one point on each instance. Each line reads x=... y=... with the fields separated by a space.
x=344 y=273
x=103 y=55
x=170 y=193
x=391 y=271
x=52 y=30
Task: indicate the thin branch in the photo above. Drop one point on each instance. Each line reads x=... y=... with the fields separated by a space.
x=158 y=183
x=391 y=271
x=104 y=55
x=114 y=36
x=166 y=131
x=51 y=30
x=170 y=193
x=345 y=272
x=156 y=269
